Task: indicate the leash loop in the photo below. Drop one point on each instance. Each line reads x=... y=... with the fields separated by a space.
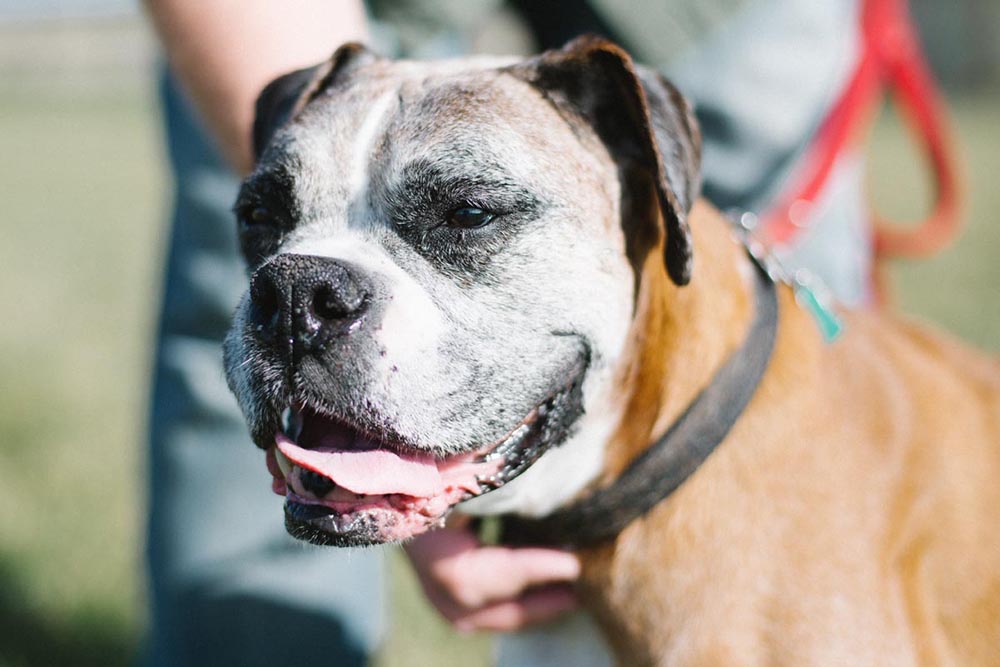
x=891 y=61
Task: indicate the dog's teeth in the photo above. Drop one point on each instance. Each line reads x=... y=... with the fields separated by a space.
x=283 y=463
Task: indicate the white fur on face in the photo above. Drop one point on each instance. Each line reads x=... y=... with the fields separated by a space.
x=459 y=362
x=361 y=152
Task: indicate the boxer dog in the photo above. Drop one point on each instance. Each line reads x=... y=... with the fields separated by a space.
x=489 y=282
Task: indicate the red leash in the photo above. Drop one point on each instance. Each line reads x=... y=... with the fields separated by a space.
x=891 y=60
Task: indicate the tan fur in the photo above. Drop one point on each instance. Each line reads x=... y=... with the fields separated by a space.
x=851 y=516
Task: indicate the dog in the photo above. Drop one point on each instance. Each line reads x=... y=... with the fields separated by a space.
x=489 y=282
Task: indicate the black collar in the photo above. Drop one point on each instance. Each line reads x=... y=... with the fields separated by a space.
x=662 y=468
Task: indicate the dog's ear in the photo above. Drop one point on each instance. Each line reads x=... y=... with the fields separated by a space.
x=647 y=127
x=288 y=94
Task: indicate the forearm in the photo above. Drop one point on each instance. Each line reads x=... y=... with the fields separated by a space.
x=225 y=51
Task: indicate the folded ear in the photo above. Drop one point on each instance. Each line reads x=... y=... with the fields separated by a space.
x=284 y=97
x=647 y=127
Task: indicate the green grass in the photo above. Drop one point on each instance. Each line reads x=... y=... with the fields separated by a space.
x=958 y=288
x=81 y=229
x=83 y=197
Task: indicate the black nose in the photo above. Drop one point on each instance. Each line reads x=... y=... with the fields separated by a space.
x=302 y=302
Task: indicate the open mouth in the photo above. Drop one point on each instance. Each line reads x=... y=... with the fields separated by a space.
x=344 y=487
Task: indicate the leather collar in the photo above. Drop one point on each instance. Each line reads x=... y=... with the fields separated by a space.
x=668 y=462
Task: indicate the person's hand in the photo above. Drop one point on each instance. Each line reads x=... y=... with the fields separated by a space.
x=477 y=587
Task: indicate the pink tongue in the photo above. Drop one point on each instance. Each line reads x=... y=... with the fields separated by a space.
x=371 y=472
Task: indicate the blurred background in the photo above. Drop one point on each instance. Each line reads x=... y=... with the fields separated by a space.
x=83 y=191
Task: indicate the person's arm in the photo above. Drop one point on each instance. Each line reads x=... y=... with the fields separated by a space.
x=225 y=51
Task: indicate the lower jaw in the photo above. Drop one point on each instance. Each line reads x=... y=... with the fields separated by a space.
x=344 y=518
x=366 y=520
x=364 y=526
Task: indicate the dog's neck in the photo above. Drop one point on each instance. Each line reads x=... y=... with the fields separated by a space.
x=680 y=332
x=680 y=337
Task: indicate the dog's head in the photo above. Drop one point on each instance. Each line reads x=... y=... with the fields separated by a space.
x=445 y=260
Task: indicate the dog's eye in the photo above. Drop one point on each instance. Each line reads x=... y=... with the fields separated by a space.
x=470 y=217
x=257 y=216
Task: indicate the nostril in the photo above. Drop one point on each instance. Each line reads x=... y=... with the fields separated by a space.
x=301 y=303
x=266 y=304
x=332 y=305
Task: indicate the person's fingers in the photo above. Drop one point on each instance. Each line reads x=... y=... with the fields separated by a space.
x=535 y=606
x=491 y=574
x=492 y=588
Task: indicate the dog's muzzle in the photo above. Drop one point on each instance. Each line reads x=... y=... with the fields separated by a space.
x=348 y=477
x=300 y=303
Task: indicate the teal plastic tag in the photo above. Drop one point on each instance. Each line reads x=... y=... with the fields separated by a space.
x=829 y=324
x=810 y=292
